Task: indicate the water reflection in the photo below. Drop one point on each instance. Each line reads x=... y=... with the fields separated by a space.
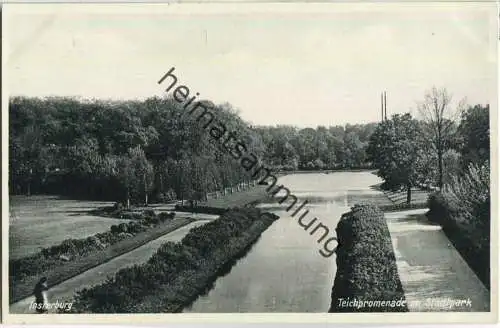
x=284 y=271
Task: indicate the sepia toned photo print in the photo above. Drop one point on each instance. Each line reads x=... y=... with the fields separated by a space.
x=281 y=162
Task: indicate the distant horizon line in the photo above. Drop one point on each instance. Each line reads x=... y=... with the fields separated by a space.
x=237 y=109
x=252 y=124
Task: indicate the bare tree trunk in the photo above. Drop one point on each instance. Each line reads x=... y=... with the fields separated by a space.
x=128 y=199
x=29 y=182
x=436 y=112
x=145 y=189
x=440 y=168
x=408 y=194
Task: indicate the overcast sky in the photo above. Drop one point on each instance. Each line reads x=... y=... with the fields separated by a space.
x=291 y=65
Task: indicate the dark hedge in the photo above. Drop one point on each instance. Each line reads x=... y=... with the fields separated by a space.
x=471 y=237
x=366 y=264
x=178 y=272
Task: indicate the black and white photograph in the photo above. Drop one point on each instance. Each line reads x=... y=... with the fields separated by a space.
x=324 y=159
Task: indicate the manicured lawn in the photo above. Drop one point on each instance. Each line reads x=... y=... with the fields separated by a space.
x=73 y=268
x=42 y=221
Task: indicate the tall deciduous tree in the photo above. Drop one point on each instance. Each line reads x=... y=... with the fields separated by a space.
x=439 y=118
x=125 y=173
x=394 y=148
x=143 y=172
x=135 y=173
x=474 y=130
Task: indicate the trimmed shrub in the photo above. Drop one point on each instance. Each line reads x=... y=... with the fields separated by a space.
x=366 y=265
x=149 y=213
x=115 y=229
x=150 y=218
x=153 y=220
x=177 y=272
x=166 y=196
x=127 y=216
x=118 y=207
x=114 y=211
x=438 y=210
x=123 y=227
x=164 y=216
x=135 y=227
x=138 y=216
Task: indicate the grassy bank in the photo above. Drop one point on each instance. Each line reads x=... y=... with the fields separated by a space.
x=26 y=272
x=239 y=198
x=219 y=206
x=418 y=196
x=397 y=199
x=402 y=207
x=367 y=279
x=389 y=201
x=200 y=209
x=178 y=272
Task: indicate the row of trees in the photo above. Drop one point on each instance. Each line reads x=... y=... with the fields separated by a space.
x=129 y=150
x=133 y=150
x=118 y=150
x=334 y=147
x=431 y=151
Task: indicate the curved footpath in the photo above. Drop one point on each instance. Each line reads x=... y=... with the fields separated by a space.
x=433 y=274
x=65 y=290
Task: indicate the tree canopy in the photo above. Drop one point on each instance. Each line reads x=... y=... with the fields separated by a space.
x=132 y=150
x=395 y=149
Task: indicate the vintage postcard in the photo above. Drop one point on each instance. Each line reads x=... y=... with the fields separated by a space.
x=271 y=162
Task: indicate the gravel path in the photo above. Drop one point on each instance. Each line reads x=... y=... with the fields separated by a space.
x=433 y=274
x=65 y=291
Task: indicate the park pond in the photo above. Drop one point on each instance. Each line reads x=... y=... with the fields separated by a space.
x=284 y=271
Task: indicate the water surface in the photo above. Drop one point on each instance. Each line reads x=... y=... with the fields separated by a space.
x=284 y=271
